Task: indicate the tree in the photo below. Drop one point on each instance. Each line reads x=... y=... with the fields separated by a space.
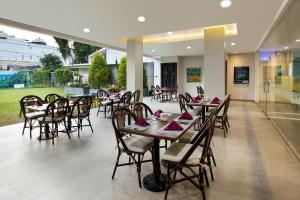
x=51 y=62
x=99 y=73
x=121 y=74
x=63 y=76
x=82 y=51
x=41 y=77
x=64 y=48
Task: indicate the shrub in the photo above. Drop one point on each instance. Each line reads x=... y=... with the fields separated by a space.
x=63 y=76
x=99 y=73
x=41 y=77
x=121 y=74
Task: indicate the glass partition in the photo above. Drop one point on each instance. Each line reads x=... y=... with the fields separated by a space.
x=280 y=76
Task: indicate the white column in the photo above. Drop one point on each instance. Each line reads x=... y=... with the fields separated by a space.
x=214 y=62
x=134 y=65
x=157 y=72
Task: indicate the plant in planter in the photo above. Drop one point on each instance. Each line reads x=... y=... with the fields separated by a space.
x=121 y=74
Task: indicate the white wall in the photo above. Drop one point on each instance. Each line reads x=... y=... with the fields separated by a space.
x=188 y=62
x=241 y=91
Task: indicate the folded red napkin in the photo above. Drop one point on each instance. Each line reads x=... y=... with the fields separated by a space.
x=186 y=115
x=215 y=100
x=141 y=122
x=173 y=126
x=157 y=113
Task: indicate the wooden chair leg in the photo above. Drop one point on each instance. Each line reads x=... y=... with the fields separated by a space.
x=116 y=165
x=139 y=170
x=88 y=118
x=168 y=182
x=25 y=122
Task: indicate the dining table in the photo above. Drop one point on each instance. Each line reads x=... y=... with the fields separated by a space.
x=156 y=181
x=205 y=104
x=113 y=100
x=42 y=108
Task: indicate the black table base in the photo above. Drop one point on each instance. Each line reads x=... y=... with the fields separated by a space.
x=151 y=184
x=47 y=137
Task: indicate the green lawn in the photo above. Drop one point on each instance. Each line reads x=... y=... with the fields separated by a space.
x=9 y=101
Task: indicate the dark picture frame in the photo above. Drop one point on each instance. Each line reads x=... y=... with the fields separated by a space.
x=241 y=75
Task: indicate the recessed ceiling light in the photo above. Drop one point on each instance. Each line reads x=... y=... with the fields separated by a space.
x=298 y=40
x=286 y=47
x=170 y=33
x=233 y=43
x=152 y=50
x=225 y=3
x=141 y=19
x=86 y=30
x=188 y=47
x=278 y=53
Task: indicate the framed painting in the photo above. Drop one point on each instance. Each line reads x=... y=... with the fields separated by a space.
x=241 y=75
x=193 y=74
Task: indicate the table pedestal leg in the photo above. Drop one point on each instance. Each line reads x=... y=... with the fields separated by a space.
x=155 y=182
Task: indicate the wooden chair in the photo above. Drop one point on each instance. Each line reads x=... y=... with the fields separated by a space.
x=55 y=115
x=80 y=111
x=222 y=119
x=51 y=97
x=185 y=108
x=30 y=117
x=125 y=100
x=133 y=146
x=103 y=102
x=200 y=91
x=181 y=156
x=135 y=97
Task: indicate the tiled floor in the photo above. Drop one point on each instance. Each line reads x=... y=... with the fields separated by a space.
x=253 y=163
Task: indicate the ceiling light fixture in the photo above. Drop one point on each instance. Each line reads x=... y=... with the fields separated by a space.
x=188 y=47
x=152 y=50
x=141 y=19
x=298 y=40
x=86 y=30
x=286 y=47
x=233 y=43
x=170 y=33
x=225 y=3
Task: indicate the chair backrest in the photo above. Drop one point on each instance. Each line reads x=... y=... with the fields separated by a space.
x=29 y=100
x=157 y=87
x=81 y=107
x=142 y=110
x=136 y=96
x=102 y=93
x=125 y=99
x=121 y=117
x=200 y=91
x=182 y=103
x=51 y=97
x=188 y=97
x=202 y=134
x=57 y=110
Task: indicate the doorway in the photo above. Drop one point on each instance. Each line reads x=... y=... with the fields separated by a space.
x=169 y=75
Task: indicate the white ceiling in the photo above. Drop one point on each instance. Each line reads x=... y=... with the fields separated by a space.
x=111 y=20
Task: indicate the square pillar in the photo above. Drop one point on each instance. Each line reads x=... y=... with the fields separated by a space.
x=134 y=68
x=214 y=62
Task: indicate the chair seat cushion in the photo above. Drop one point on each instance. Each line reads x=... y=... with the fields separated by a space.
x=139 y=144
x=105 y=103
x=177 y=151
x=49 y=119
x=35 y=115
x=188 y=136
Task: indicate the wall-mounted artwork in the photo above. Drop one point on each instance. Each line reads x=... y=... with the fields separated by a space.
x=241 y=75
x=193 y=74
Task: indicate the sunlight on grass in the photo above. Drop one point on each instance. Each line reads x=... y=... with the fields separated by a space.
x=9 y=101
